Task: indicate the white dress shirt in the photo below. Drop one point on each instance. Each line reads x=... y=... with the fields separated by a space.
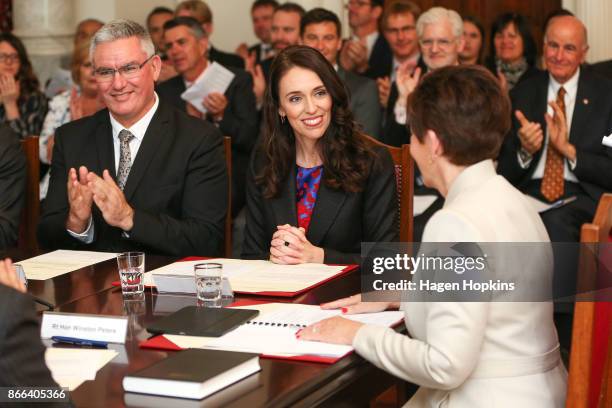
x=571 y=88
x=138 y=129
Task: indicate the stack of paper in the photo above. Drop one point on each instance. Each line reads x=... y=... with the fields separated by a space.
x=247 y=276
x=70 y=367
x=62 y=261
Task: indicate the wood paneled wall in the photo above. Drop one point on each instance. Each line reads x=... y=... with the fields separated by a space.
x=488 y=10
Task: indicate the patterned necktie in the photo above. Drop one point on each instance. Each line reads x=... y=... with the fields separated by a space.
x=552 y=186
x=125 y=159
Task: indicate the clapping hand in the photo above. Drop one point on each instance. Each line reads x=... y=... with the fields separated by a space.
x=215 y=103
x=9 y=89
x=8 y=276
x=110 y=200
x=80 y=199
x=557 y=132
x=407 y=79
x=530 y=133
x=289 y=246
x=384 y=89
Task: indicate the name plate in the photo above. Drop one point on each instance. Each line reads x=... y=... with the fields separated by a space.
x=110 y=329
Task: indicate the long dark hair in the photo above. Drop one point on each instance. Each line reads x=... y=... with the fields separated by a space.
x=345 y=152
x=522 y=27
x=478 y=24
x=28 y=83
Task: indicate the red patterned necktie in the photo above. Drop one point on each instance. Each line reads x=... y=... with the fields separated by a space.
x=552 y=186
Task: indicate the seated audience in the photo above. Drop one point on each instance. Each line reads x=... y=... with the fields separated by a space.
x=366 y=52
x=399 y=28
x=201 y=12
x=155 y=25
x=135 y=176
x=555 y=149
x=316 y=186
x=234 y=112
x=464 y=354
x=12 y=186
x=261 y=15
x=321 y=30
x=474 y=37
x=22 y=106
x=22 y=354
x=513 y=50
x=69 y=105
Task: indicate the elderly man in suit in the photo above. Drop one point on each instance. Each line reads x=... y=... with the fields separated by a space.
x=321 y=29
x=561 y=115
x=233 y=112
x=140 y=174
x=12 y=186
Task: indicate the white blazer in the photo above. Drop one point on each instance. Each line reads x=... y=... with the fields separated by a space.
x=476 y=354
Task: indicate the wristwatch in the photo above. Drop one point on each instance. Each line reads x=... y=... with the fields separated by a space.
x=524 y=155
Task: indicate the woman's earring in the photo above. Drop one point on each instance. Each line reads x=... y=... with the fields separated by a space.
x=282 y=119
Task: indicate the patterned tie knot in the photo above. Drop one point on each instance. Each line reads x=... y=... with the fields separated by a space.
x=561 y=93
x=125 y=136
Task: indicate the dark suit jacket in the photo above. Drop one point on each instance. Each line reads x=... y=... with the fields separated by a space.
x=177 y=185
x=257 y=49
x=225 y=58
x=393 y=133
x=603 y=68
x=364 y=101
x=22 y=362
x=240 y=121
x=381 y=59
x=591 y=121
x=340 y=220
x=12 y=186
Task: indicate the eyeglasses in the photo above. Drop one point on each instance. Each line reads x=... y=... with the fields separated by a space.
x=442 y=43
x=127 y=71
x=9 y=58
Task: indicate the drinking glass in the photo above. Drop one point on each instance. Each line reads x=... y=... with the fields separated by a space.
x=208 y=278
x=131 y=272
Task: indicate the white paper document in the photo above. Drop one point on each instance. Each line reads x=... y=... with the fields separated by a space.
x=273 y=331
x=62 y=261
x=421 y=203
x=216 y=78
x=253 y=276
x=70 y=367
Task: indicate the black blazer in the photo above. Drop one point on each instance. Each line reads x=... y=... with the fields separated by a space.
x=22 y=362
x=12 y=186
x=380 y=62
x=225 y=58
x=591 y=121
x=363 y=95
x=340 y=220
x=177 y=186
x=393 y=133
x=240 y=121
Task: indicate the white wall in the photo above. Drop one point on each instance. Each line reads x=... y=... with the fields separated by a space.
x=596 y=15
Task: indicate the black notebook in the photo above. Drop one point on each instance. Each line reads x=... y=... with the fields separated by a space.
x=193 y=373
x=202 y=321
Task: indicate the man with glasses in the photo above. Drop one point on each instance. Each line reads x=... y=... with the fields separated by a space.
x=233 y=112
x=138 y=175
x=366 y=52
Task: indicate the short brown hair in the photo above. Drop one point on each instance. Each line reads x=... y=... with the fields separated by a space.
x=199 y=10
x=396 y=7
x=466 y=108
x=79 y=55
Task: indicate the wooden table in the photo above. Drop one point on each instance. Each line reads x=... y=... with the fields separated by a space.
x=350 y=382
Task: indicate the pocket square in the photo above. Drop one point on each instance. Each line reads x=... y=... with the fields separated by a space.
x=607 y=140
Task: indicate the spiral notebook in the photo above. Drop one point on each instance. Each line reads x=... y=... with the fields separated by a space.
x=272 y=333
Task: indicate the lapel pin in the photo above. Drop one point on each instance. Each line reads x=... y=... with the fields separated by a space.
x=585 y=101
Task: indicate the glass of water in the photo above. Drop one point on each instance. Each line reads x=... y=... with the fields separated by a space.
x=131 y=272
x=208 y=277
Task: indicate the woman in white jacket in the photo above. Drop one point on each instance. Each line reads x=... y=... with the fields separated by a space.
x=464 y=354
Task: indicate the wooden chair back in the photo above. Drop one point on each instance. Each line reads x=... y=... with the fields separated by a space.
x=31 y=209
x=581 y=385
x=227 y=246
x=404 y=182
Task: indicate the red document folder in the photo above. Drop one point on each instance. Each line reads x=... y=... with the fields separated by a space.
x=162 y=343
x=346 y=270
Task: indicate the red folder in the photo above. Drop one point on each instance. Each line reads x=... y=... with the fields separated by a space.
x=346 y=270
x=162 y=343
